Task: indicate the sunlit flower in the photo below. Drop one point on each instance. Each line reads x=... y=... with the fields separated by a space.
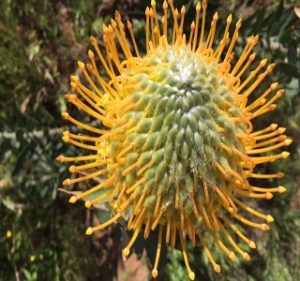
x=8 y=234
x=32 y=258
x=172 y=146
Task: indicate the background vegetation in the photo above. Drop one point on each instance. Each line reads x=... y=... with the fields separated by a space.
x=41 y=236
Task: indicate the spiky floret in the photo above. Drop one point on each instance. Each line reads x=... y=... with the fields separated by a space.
x=178 y=145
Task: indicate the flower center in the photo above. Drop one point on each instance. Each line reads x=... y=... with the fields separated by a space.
x=182 y=130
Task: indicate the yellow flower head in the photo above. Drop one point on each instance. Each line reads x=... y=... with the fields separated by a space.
x=172 y=145
x=8 y=234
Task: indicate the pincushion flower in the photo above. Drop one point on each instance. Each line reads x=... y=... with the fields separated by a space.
x=173 y=142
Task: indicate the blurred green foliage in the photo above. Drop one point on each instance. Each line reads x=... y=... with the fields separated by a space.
x=41 y=237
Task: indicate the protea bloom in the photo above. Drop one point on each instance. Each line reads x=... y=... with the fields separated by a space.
x=173 y=143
